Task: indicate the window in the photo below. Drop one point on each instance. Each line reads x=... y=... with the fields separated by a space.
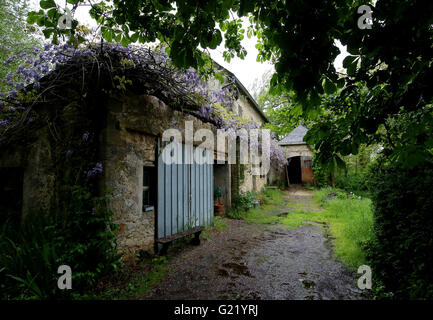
x=148 y=189
x=307 y=163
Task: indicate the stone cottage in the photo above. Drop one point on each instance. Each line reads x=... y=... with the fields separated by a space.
x=246 y=107
x=146 y=191
x=298 y=169
x=150 y=199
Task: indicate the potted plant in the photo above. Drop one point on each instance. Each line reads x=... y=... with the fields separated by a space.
x=218 y=207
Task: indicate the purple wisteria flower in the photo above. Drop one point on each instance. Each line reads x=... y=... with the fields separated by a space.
x=96 y=170
x=69 y=153
x=4 y=123
x=85 y=137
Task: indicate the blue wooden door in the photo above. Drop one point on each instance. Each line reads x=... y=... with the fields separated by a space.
x=185 y=193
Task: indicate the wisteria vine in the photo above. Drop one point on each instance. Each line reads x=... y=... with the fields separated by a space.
x=45 y=70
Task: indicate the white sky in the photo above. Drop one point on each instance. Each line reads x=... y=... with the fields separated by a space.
x=247 y=70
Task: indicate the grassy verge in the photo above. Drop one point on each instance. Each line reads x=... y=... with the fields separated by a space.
x=243 y=208
x=134 y=281
x=348 y=217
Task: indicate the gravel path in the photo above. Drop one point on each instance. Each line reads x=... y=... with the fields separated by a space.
x=252 y=261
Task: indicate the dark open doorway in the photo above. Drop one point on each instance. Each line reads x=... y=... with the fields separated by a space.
x=294 y=170
x=11 y=196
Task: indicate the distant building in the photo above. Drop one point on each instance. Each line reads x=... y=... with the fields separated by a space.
x=299 y=168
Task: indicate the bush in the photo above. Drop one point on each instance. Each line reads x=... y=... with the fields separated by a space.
x=353 y=182
x=401 y=252
x=242 y=203
x=321 y=174
x=84 y=240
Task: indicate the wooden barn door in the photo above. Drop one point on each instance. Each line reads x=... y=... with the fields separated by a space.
x=185 y=194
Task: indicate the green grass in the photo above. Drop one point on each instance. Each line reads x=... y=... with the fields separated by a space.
x=220 y=224
x=272 y=196
x=349 y=219
x=138 y=283
x=351 y=223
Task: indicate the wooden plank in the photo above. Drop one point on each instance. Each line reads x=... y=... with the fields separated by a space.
x=212 y=214
x=197 y=198
x=210 y=194
x=174 y=191
x=186 y=183
x=201 y=221
x=208 y=188
x=204 y=202
x=168 y=203
x=180 y=191
x=191 y=221
x=161 y=193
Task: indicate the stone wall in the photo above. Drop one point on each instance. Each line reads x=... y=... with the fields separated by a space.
x=252 y=182
x=275 y=175
x=247 y=109
x=36 y=163
x=134 y=125
x=299 y=150
x=39 y=176
x=243 y=107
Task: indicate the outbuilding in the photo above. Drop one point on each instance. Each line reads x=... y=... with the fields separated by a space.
x=299 y=168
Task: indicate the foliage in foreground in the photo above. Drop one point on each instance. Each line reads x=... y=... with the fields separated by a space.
x=401 y=252
x=32 y=254
x=133 y=282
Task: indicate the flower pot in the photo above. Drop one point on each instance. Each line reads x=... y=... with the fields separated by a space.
x=218 y=208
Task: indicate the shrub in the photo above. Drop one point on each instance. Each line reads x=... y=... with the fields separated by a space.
x=84 y=240
x=401 y=252
x=321 y=174
x=353 y=182
x=242 y=203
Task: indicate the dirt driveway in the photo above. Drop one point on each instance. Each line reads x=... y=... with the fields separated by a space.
x=256 y=261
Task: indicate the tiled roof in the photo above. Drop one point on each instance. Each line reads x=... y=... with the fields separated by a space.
x=294 y=137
